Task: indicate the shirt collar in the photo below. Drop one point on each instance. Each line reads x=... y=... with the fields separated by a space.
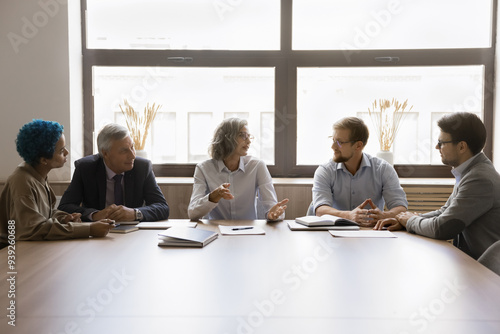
x=109 y=173
x=33 y=172
x=221 y=166
x=365 y=162
x=458 y=171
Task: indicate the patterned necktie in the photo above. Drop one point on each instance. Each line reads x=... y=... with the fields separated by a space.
x=118 y=189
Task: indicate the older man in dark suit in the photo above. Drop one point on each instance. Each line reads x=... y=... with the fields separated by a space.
x=115 y=184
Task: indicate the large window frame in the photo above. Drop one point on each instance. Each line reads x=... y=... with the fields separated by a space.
x=286 y=61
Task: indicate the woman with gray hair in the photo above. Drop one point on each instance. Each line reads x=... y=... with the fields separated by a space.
x=232 y=184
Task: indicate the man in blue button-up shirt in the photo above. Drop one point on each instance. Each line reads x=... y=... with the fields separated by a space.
x=355 y=185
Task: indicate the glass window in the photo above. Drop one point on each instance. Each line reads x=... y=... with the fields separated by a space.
x=329 y=94
x=291 y=68
x=193 y=102
x=391 y=24
x=182 y=25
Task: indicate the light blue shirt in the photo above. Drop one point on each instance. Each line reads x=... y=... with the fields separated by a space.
x=336 y=187
x=251 y=186
x=458 y=171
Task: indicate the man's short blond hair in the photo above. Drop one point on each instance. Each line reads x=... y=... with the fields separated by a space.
x=359 y=130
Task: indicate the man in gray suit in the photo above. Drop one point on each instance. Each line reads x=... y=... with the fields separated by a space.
x=471 y=216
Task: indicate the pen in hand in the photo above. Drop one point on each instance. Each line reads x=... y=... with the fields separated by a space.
x=242 y=228
x=110 y=222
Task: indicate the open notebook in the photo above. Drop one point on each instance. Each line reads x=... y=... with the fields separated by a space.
x=325 y=220
x=294 y=226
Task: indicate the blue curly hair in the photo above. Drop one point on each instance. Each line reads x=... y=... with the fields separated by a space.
x=37 y=139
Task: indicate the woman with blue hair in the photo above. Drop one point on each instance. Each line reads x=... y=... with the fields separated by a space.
x=27 y=202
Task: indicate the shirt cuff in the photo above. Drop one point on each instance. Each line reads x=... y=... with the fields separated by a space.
x=410 y=222
x=81 y=230
x=90 y=216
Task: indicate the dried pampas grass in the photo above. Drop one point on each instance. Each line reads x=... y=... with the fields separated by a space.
x=139 y=125
x=387 y=120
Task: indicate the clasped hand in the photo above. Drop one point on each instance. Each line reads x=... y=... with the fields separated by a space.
x=396 y=223
x=97 y=229
x=73 y=217
x=367 y=217
x=115 y=212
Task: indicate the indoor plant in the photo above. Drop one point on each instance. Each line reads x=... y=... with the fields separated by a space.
x=387 y=122
x=139 y=125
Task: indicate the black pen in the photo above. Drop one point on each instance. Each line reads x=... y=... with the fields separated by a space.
x=242 y=228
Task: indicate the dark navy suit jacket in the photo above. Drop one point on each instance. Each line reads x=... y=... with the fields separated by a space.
x=87 y=191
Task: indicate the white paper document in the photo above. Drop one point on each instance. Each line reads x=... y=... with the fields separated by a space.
x=161 y=225
x=363 y=234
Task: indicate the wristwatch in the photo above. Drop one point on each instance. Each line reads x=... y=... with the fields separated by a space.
x=138 y=214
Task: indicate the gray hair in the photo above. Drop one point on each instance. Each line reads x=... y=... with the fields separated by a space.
x=109 y=133
x=225 y=138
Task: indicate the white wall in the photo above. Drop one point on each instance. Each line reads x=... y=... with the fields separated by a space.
x=35 y=75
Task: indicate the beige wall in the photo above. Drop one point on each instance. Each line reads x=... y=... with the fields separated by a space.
x=35 y=73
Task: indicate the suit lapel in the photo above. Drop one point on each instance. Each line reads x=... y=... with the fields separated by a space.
x=101 y=183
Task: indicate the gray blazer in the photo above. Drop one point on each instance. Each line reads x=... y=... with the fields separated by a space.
x=471 y=215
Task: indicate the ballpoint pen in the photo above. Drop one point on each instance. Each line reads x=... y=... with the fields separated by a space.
x=242 y=228
x=111 y=222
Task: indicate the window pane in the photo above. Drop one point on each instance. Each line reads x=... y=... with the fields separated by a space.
x=197 y=129
x=193 y=102
x=391 y=24
x=325 y=95
x=180 y=24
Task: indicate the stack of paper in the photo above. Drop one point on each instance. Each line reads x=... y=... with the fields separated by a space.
x=161 y=225
x=363 y=234
x=294 y=226
x=124 y=229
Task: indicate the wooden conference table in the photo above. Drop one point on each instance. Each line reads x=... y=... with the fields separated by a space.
x=281 y=282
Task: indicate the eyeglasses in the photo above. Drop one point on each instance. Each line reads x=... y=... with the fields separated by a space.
x=340 y=143
x=245 y=136
x=440 y=143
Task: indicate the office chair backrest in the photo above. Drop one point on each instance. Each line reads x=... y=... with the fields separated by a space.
x=310 y=210
x=491 y=258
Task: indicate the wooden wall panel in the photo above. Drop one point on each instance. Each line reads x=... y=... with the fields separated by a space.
x=421 y=198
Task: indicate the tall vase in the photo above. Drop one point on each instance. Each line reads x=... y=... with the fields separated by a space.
x=387 y=156
x=141 y=153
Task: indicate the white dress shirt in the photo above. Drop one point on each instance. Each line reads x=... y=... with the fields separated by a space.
x=110 y=189
x=251 y=186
